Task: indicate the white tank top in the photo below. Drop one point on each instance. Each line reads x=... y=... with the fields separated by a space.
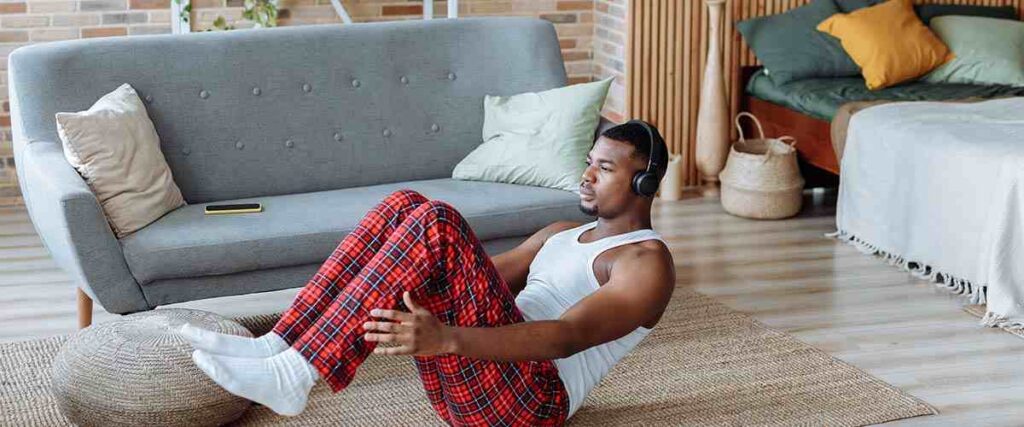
x=561 y=275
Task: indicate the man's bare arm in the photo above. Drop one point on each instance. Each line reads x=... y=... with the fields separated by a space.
x=514 y=265
x=636 y=293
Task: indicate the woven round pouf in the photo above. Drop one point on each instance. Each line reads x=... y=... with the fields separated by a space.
x=137 y=370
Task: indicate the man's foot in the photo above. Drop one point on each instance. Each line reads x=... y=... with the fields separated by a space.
x=233 y=345
x=281 y=382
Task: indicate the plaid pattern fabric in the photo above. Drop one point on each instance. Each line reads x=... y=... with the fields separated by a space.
x=433 y=253
x=351 y=255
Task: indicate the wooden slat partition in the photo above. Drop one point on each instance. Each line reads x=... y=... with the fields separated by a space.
x=665 y=53
x=667 y=50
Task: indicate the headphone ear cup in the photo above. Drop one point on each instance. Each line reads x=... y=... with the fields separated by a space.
x=637 y=182
x=645 y=184
x=650 y=184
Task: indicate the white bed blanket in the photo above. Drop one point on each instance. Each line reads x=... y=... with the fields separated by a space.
x=938 y=189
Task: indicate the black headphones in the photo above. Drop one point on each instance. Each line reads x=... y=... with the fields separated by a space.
x=645 y=183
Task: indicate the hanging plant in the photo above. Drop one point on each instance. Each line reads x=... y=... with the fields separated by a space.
x=220 y=24
x=185 y=11
x=263 y=13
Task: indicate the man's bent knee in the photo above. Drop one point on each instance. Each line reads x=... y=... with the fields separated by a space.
x=405 y=197
x=436 y=209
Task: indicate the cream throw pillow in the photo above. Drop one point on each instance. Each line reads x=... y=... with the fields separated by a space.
x=539 y=139
x=115 y=148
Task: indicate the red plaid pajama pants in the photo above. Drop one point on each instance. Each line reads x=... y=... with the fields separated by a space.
x=410 y=243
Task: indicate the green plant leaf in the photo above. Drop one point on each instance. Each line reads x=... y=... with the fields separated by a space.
x=263 y=13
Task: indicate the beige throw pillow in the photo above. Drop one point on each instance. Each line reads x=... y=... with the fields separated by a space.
x=115 y=148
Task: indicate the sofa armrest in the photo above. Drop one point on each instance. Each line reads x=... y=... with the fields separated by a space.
x=69 y=220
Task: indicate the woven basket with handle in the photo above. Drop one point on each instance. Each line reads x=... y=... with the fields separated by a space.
x=761 y=179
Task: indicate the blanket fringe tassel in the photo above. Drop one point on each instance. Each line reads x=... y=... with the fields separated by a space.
x=974 y=293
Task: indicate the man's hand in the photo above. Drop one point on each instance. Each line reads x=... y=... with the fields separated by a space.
x=416 y=333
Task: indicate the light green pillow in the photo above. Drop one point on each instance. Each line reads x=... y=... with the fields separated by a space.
x=537 y=138
x=988 y=51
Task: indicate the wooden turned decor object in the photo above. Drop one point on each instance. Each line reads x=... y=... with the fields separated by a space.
x=712 y=117
x=84 y=309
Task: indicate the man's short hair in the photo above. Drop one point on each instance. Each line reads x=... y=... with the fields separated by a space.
x=635 y=135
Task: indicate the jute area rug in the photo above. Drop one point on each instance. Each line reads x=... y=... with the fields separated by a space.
x=704 y=364
x=978 y=310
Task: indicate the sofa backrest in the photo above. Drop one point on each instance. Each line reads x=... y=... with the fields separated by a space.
x=296 y=109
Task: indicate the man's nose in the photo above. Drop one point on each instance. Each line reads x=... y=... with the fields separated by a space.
x=588 y=174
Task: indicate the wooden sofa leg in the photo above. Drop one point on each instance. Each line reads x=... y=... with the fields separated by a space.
x=84 y=309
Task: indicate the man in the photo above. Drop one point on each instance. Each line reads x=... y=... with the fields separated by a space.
x=519 y=339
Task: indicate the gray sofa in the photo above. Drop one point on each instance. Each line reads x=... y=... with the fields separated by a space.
x=318 y=123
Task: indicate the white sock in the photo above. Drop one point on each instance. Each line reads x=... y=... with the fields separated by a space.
x=233 y=345
x=281 y=382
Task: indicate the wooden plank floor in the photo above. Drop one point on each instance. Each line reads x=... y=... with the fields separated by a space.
x=783 y=273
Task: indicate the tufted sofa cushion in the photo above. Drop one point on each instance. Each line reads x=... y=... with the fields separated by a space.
x=299 y=109
x=300 y=229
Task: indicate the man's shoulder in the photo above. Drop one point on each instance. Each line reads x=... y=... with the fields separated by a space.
x=651 y=253
x=557 y=227
x=534 y=243
x=563 y=225
x=652 y=247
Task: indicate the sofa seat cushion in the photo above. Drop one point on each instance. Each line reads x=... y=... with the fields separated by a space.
x=305 y=228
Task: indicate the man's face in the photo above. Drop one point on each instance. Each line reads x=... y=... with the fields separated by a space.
x=605 y=187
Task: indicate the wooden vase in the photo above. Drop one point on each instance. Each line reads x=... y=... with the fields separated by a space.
x=712 y=117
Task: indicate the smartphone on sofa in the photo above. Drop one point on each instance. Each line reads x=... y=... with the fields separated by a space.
x=236 y=208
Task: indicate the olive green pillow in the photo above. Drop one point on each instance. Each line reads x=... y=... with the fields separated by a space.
x=791 y=48
x=988 y=51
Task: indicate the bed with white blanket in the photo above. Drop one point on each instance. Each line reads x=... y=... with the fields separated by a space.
x=938 y=189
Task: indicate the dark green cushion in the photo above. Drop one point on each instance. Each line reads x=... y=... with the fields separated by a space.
x=820 y=98
x=928 y=11
x=791 y=48
x=847 y=6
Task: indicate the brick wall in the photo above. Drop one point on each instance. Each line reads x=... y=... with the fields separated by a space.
x=32 y=21
x=573 y=19
x=609 y=54
x=591 y=33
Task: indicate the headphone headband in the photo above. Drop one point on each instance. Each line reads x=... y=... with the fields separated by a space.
x=646 y=183
x=650 y=142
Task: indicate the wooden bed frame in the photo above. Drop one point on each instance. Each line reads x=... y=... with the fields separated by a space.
x=814 y=141
x=813 y=135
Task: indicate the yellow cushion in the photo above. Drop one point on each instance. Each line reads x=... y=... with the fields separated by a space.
x=888 y=42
